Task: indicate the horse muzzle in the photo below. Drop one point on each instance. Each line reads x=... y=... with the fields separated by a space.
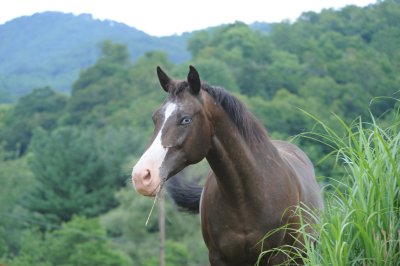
x=145 y=182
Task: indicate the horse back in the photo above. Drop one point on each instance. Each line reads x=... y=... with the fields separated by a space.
x=303 y=169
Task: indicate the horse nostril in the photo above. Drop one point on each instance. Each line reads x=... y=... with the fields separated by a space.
x=146 y=177
x=141 y=175
x=146 y=174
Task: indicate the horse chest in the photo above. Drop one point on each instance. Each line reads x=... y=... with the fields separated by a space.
x=232 y=247
x=230 y=238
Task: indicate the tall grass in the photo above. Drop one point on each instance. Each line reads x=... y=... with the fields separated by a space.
x=361 y=221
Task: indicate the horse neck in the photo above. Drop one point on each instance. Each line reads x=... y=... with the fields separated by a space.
x=241 y=165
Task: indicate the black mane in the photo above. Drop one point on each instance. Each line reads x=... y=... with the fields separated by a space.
x=247 y=124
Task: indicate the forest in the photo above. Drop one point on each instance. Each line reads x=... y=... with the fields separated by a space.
x=328 y=82
x=51 y=48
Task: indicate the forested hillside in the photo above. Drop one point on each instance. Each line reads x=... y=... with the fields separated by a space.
x=50 y=49
x=66 y=160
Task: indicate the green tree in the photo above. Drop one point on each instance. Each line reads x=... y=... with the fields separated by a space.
x=112 y=53
x=341 y=99
x=198 y=42
x=80 y=242
x=244 y=50
x=99 y=86
x=145 y=95
x=15 y=179
x=144 y=76
x=41 y=108
x=77 y=172
x=285 y=72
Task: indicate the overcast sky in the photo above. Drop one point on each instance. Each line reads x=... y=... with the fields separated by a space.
x=167 y=17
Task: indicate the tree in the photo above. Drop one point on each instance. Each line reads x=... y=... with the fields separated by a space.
x=198 y=41
x=112 y=53
x=285 y=72
x=340 y=99
x=15 y=179
x=41 y=108
x=246 y=52
x=80 y=242
x=100 y=85
x=77 y=172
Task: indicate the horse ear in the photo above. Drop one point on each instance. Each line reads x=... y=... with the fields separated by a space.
x=163 y=78
x=194 y=80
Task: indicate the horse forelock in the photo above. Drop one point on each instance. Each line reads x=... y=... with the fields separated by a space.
x=177 y=87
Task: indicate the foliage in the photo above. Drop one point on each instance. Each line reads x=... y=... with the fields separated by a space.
x=62 y=156
x=51 y=48
x=15 y=177
x=99 y=85
x=213 y=71
x=77 y=172
x=245 y=51
x=78 y=242
x=364 y=216
x=126 y=224
x=41 y=108
x=361 y=223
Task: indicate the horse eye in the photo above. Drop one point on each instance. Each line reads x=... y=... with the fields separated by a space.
x=186 y=120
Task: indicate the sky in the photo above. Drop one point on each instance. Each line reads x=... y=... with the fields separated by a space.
x=168 y=17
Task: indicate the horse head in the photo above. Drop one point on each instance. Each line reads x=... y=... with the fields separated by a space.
x=182 y=134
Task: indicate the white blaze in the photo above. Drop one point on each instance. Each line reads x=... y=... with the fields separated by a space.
x=153 y=158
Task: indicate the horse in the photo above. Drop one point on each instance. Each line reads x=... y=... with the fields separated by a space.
x=254 y=185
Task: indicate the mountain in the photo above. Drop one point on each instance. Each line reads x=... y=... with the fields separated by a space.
x=50 y=49
x=261 y=27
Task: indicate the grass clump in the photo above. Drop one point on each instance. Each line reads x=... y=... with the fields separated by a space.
x=361 y=221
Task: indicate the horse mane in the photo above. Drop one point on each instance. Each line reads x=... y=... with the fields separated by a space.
x=247 y=124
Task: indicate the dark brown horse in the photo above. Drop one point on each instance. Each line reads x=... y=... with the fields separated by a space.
x=254 y=184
